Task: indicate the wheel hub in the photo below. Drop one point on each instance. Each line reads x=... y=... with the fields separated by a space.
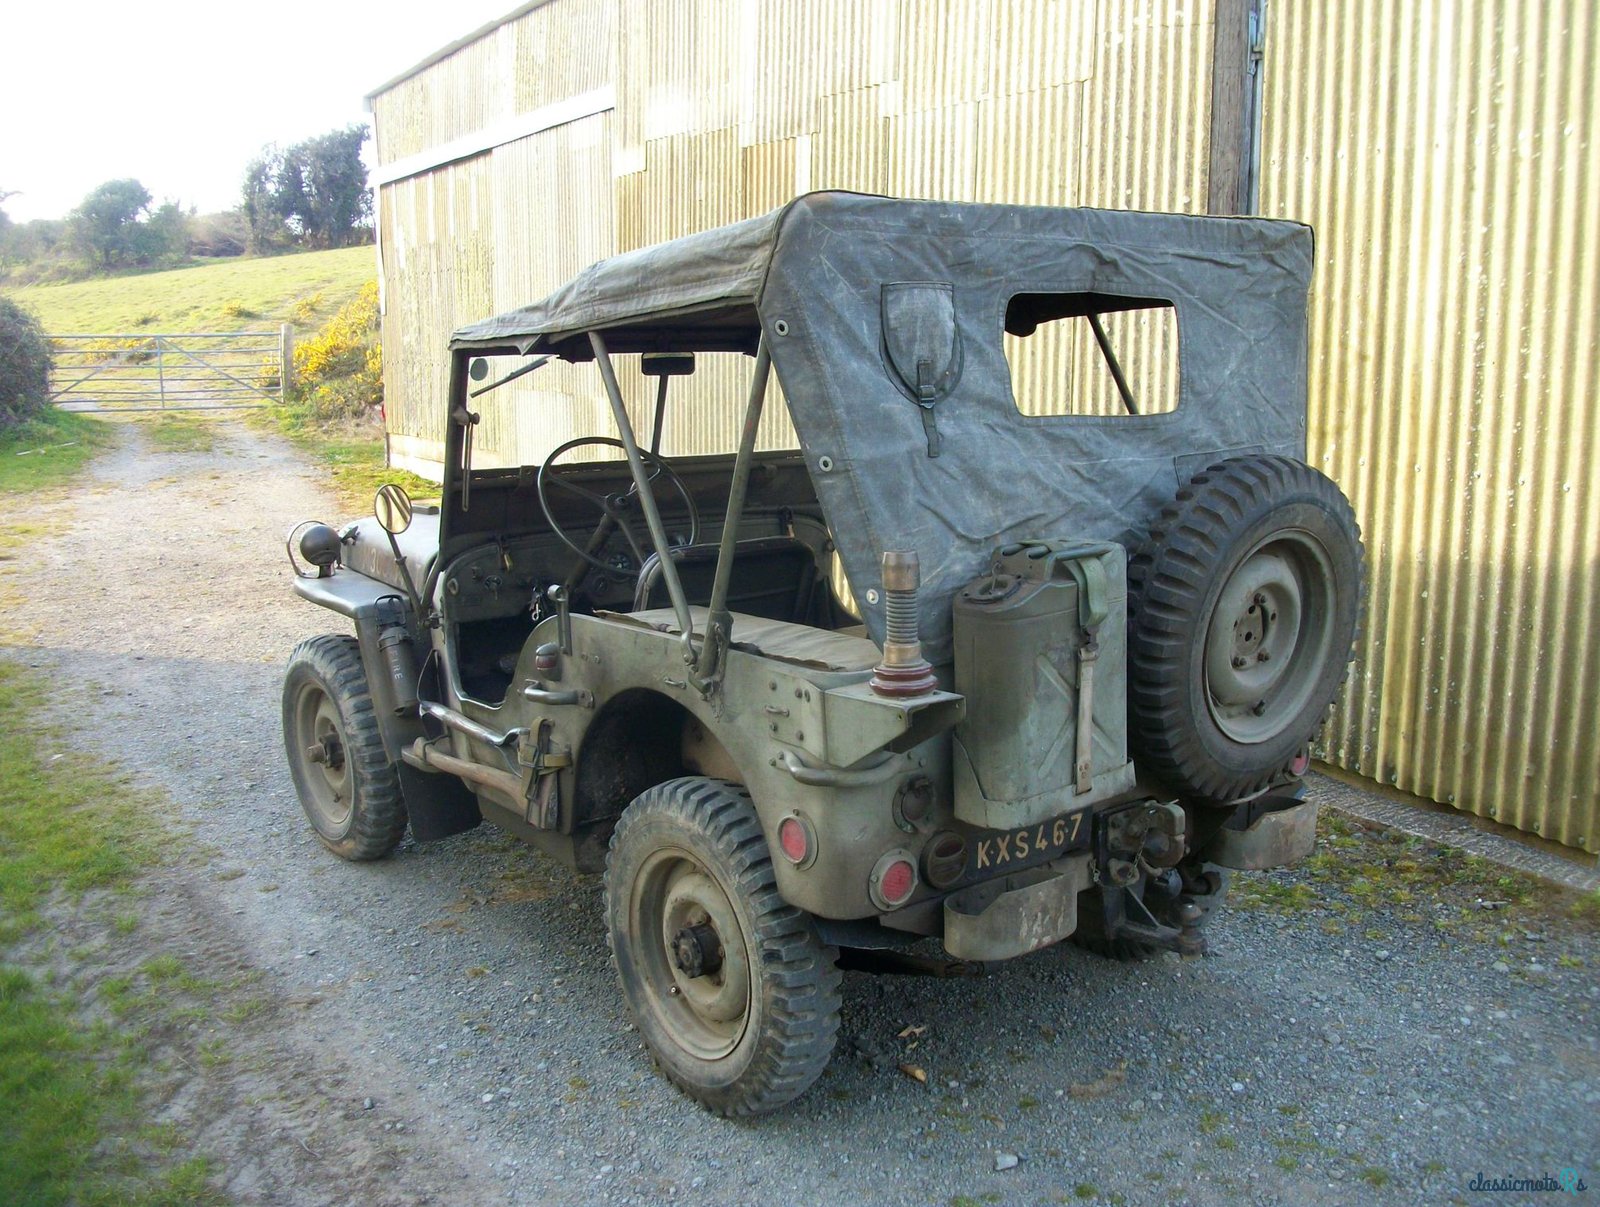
x=329 y=752
x=695 y=955
x=1266 y=633
x=697 y=951
x=327 y=788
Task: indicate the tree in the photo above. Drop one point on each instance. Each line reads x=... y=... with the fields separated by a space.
x=105 y=226
x=164 y=235
x=263 y=224
x=333 y=188
x=35 y=241
x=313 y=194
x=5 y=231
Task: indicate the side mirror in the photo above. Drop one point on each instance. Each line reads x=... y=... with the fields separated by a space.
x=392 y=506
x=478 y=369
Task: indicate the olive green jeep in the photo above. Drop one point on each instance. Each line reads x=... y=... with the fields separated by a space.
x=971 y=663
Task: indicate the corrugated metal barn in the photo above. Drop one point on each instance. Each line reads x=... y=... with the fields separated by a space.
x=1445 y=152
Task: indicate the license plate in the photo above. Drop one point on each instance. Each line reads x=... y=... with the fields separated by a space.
x=997 y=851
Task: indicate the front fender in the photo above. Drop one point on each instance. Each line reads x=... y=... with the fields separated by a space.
x=347 y=593
x=438 y=805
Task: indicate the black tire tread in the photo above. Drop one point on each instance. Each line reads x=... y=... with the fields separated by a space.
x=804 y=1019
x=379 y=812
x=1168 y=578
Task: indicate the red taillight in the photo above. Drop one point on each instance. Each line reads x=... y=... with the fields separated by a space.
x=794 y=840
x=894 y=879
x=1301 y=764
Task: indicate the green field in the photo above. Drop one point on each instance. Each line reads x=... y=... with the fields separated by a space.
x=230 y=295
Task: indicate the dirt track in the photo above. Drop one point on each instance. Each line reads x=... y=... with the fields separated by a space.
x=464 y=987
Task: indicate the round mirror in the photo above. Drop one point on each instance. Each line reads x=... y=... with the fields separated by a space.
x=393 y=508
x=478 y=369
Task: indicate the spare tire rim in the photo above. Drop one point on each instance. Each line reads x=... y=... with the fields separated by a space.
x=704 y=1006
x=1269 y=637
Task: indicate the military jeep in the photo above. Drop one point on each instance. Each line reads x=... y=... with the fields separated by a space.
x=988 y=660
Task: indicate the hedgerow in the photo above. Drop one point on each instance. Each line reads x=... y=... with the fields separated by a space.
x=24 y=364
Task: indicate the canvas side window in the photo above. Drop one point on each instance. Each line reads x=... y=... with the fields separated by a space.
x=1092 y=354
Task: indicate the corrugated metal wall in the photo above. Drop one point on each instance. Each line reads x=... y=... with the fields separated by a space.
x=728 y=108
x=1447 y=155
x=1444 y=151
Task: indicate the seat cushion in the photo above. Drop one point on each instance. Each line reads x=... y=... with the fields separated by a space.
x=823 y=649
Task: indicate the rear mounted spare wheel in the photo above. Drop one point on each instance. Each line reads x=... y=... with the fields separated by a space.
x=1243 y=608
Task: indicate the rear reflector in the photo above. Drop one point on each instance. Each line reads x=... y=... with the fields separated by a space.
x=794 y=840
x=893 y=881
x=898 y=881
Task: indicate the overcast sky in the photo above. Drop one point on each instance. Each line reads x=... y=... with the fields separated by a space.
x=183 y=95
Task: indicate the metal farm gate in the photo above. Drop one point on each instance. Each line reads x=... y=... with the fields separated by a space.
x=199 y=371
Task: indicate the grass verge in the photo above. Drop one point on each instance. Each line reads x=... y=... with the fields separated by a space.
x=352 y=455
x=47 y=450
x=358 y=469
x=72 y=1128
x=1364 y=877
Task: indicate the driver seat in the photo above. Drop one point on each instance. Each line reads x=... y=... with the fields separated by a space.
x=774 y=577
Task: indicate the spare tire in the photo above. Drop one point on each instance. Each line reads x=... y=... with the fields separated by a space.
x=1243 y=607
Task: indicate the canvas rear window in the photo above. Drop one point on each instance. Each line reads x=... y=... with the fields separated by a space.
x=1092 y=354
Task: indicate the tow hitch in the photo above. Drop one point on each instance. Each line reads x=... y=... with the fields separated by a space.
x=1146 y=842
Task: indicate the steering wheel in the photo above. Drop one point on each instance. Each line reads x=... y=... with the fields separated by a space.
x=614 y=508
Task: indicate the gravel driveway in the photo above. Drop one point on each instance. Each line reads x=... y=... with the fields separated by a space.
x=1345 y=1045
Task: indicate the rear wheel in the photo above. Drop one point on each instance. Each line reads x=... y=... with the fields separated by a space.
x=735 y=994
x=347 y=785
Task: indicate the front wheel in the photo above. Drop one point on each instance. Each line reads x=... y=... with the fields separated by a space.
x=347 y=785
x=735 y=994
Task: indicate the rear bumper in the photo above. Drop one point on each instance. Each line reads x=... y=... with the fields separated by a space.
x=1031 y=909
x=1273 y=840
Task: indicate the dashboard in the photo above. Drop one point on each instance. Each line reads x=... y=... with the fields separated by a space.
x=501 y=579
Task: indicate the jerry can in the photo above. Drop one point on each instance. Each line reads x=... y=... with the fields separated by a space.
x=1041 y=655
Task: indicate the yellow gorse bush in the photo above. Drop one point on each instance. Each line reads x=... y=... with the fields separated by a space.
x=339 y=370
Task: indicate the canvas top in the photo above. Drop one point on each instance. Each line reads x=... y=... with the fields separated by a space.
x=885 y=320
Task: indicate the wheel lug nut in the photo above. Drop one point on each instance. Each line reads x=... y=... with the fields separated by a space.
x=1260 y=708
x=1238 y=661
x=1262 y=656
